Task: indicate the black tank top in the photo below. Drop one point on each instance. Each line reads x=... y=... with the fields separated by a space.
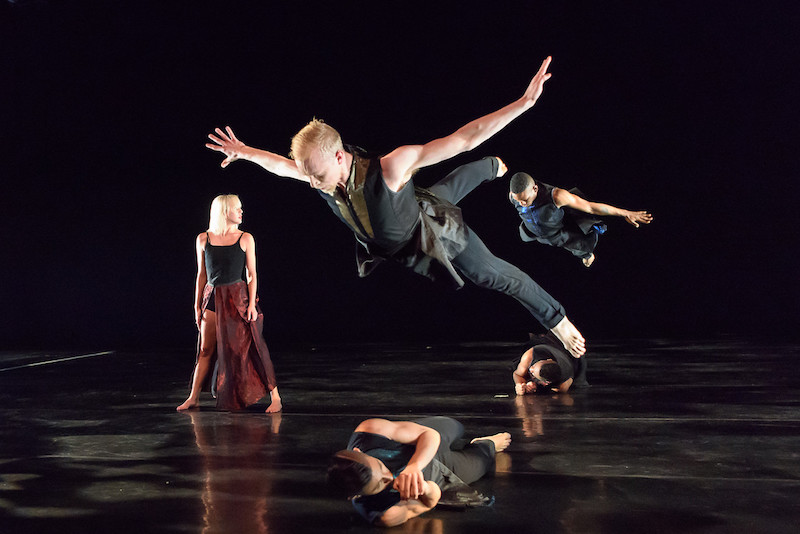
x=224 y=264
x=377 y=215
x=543 y=218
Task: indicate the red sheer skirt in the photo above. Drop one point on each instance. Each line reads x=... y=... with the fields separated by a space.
x=243 y=371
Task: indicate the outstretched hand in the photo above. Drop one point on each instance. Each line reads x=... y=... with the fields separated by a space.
x=227 y=144
x=410 y=483
x=637 y=217
x=534 y=90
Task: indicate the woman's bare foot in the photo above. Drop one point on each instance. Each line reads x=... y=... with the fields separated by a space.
x=569 y=336
x=501 y=441
x=275 y=406
x=588 y=261
x=188 y=405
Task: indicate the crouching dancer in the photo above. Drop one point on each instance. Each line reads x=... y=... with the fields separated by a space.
x=393 y=471
x=547 y=368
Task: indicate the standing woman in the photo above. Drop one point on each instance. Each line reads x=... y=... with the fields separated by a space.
x=231 y=341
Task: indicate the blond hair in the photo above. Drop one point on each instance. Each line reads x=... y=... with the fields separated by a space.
x=315 y=134
x=220 y=207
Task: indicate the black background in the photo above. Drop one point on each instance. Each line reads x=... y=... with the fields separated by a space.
x=687 y=109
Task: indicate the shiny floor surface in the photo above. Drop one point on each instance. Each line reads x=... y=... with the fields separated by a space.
x=671 y=437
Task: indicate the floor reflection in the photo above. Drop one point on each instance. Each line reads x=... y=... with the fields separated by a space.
x=531 y=410
x=421 y=525
x=236 y=464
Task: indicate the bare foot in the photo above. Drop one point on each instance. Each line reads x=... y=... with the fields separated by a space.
x=569 y=336
x=501 y=441
x=188 y=405
x=501 y=168
x=275 y=406
x=588 y=261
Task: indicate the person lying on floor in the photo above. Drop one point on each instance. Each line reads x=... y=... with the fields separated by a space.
x=395 y=470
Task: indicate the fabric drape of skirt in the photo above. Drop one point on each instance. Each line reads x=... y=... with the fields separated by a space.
x=243 y=371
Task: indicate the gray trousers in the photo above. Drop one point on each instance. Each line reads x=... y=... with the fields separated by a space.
x=469 y=461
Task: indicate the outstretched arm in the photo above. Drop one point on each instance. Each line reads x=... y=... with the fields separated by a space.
x=227 y=143
x=399 y=165
x=562 y=197
x=409 y=482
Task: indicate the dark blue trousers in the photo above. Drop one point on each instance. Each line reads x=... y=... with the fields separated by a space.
x=478 y=265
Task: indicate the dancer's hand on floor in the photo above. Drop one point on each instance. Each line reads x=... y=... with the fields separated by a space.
x=526 y=388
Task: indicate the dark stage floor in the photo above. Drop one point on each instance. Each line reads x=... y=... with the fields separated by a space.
x=671 y=437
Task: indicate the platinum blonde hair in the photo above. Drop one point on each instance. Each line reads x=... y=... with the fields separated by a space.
x=315 y=134
x=220 y=208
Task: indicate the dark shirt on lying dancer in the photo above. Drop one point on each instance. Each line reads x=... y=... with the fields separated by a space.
x=547 y=347
x=395 y=456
